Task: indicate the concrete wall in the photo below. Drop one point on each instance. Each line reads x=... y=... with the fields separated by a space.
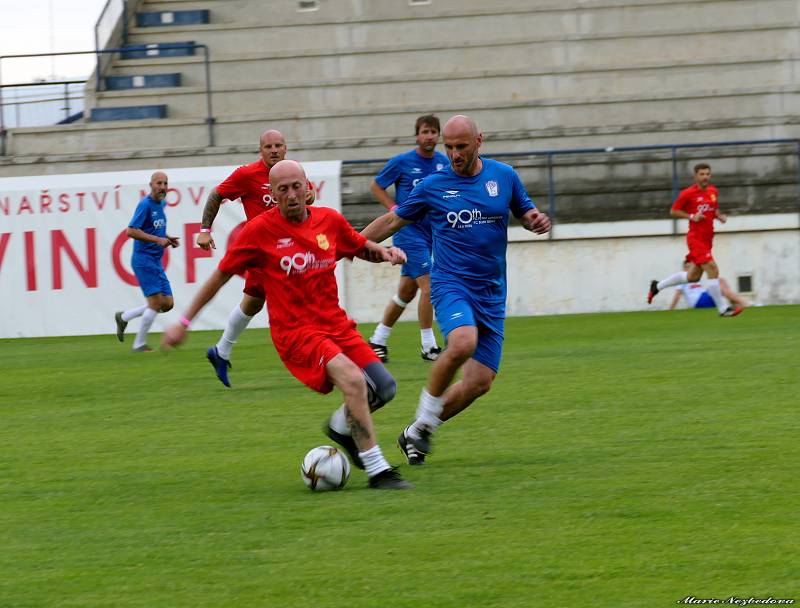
x=608 y=267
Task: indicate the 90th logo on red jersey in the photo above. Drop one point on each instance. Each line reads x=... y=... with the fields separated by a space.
x=297 y=262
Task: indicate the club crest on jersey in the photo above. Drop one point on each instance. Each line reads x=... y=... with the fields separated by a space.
x=491 y=187
x=713 y=198
x=322 y=241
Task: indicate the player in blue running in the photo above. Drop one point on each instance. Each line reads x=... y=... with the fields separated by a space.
x=468 y=205
x=405 y=171
x=148 y=228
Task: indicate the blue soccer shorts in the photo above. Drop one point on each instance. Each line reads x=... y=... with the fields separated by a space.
x=151 y=276
x=418 y=252
x=459 y=305
x=705 y=301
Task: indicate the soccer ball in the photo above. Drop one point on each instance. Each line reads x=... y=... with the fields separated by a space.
x=325 y=468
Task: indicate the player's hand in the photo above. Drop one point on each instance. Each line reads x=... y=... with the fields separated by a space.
x=205 y=241
x=697 y=217
x=722 y=217
x=174 y=241
x=396 y=256
x=173 y=336
x=537 y=222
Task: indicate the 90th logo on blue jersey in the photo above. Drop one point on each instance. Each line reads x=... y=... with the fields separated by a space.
x=463 y=218
x=159 y=223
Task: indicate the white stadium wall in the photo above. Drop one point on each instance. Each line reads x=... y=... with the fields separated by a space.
x=65 y=260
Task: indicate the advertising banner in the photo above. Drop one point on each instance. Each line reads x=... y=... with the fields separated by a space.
x=65 y=258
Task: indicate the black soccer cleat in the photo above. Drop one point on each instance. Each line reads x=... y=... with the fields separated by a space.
x=347 y=442
x=431 y=354
x=414 y=449
x=219 y=364
x=389 y=479
x=121 y=325
x=652 y=292
x=381 y=350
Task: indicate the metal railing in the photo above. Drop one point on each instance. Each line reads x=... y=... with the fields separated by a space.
x=110 y=30
x=207 y=72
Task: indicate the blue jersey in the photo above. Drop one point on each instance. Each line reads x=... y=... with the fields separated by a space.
x=149 y=217
x=469 y=221
x=405 y=171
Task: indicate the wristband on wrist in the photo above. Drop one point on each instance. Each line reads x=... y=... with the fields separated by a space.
x=185 y=322
x=205 y=230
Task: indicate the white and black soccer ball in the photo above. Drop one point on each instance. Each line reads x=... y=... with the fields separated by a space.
x=325 y=468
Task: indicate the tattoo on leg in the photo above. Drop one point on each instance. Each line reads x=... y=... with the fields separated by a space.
x=357 y=430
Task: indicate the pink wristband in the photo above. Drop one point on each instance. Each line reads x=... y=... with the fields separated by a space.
x=185 y=322
x=205 y=230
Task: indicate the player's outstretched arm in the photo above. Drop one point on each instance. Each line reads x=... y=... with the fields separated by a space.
x=214 y=200
x=535 y=221
x=372 y=252
x=721 y=216
x=675 y=299
x=176 y=334
x=384 y=226
x=381 y=195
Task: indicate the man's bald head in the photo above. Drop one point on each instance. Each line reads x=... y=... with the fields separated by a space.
x=289 y=189
x=158 y=186
x=462 y=140
x=272 y=147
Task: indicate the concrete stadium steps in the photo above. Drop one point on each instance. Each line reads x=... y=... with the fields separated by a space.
x=554 y=88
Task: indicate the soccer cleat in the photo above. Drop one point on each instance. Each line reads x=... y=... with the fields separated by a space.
x=731 y=311
x=346 y=442
x=121 y=325
x=381 y=350
x=389 y=479
x=415 y=450
x=432 y=353
x=142 y=349
x=219 y=364
x=653 y=291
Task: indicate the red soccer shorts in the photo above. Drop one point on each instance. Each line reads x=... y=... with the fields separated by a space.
x=254 y=284
x=699 y=252
x=306 y=352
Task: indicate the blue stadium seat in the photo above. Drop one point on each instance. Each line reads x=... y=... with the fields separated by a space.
x=149 y=81
x=163 y=49
x=129 y=113
x=166 y=18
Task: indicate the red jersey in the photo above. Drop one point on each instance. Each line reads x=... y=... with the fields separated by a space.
x=251 y=184
x=297 y=262
x=699 y=200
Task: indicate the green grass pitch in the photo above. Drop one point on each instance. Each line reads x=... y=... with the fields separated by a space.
x=619 y=460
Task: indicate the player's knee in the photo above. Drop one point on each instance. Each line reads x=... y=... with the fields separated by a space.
x=381 y=386
x=479 y=385
x=166 y=305
x=461 y=348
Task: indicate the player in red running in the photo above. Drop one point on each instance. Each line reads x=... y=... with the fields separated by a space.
x=296 y=248
x=698 y=203
x=250 y=183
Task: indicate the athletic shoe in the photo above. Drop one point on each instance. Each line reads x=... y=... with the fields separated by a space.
x=653 y=291
x=431 y=354
x=415 y=450
x=346 y=442
x=142 y=349
x=731 y=311
x=121 y=325
x=381 y=350
x=219 y=364
x=389 y=480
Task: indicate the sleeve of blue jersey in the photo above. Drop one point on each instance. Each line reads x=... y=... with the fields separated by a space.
x=415 y=207
x=521 y=203
x=389 y=173
x=139 y=216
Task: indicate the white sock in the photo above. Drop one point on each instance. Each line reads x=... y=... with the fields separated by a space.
x=373 y=460
x=237 y=323
x=712 y=287
x=148 y=316
x=133 y=313
x=428 y=412
x=338 y=421
x=381 y=334
x=679 y=278
x=428 y=338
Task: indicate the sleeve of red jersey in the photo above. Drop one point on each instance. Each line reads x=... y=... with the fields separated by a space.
x=231 y=187
x=680 y=202
x=348 y=242
x=244 y=253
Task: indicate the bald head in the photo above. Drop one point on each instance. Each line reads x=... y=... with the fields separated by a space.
x=460 y=124
x=272 y=147
x=462 y=141
x=158 y=186
x=289 y=189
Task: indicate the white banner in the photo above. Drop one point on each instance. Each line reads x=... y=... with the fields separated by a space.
x=65 y=258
